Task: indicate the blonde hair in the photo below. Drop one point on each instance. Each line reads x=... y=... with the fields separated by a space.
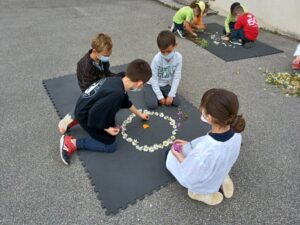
x=102 y=42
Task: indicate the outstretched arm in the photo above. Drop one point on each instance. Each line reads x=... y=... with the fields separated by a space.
x=143 y=116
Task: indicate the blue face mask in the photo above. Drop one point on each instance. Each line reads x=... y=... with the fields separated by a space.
x=104 y=58
x=168 y=57
x=135 y=90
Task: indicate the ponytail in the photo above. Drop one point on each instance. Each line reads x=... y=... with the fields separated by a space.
x=238 y=124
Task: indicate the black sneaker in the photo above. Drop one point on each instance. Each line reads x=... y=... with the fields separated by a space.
x=236 y=42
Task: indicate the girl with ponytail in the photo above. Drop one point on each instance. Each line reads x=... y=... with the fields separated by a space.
x=203 y=164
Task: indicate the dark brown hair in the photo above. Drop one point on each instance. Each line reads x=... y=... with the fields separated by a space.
x=138 y=70
x=238 y=9
x=165 y=38
x=223 y=106
x=233 y=6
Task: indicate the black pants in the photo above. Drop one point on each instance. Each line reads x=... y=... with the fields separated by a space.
x=151 y=99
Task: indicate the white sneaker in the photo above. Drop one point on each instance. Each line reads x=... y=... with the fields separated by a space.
x=180 y=33
x=236 y=42
x=172 y=27
x=64 y=123
x=227 y=187
x=211 y=199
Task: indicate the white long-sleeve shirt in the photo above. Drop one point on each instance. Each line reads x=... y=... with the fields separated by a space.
x=164 y=73
x=207 y=162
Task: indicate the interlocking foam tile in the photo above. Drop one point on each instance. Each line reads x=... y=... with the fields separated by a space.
x=122 y=177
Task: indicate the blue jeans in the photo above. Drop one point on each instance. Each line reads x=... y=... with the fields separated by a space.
x=239 y=34
x=178 y=27
x=91 y=144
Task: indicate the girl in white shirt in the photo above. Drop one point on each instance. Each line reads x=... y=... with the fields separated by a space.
x=203 y=164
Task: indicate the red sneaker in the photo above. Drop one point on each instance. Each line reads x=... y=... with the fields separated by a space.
x=66 y=148
x=296 y=64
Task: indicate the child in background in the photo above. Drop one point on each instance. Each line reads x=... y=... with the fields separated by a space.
x=93 y=66
x=245 y=28
x=166 y=68
x=296 y=61
x=183 y=20
x=231 y=19
x=203 y=164
x=96 y=109
x=198 y=20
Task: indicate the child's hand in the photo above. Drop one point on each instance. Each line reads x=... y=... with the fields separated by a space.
x=112 y=131
x=144 y=116
x=225 y=38
x=180 y=142
x=169 y=100
x=194 y=35
x=228 y=34
x=178 y=155
x=162 y=101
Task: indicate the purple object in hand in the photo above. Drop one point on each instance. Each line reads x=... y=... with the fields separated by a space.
x=119 y=127
x=177 y=147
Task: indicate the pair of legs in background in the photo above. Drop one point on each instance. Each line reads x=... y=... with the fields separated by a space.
x=178 y=28
x=69 y=144
x=215 y=198
x=238 y=37
x=151 y=100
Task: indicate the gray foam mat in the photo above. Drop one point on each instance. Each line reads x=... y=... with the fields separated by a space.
x=229 y=52
x=122 y=177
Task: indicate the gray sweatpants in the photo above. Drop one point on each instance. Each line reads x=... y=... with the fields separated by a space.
x=151 y=99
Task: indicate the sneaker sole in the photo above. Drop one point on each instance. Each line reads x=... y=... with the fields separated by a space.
x=228 y=185
x=206 y=201
x=61 y=145
x=64 y=123
x=179 y=33
x=236 y=43
x=61 y=130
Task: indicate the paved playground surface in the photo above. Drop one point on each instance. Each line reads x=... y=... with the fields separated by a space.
x=41 y=39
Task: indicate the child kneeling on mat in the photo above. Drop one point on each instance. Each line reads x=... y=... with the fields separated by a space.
x=203 y=164
x=96 y=109
x=93 y=66
x=187 y=18
x=245 y=29
x=166 y=68
x=231 y=19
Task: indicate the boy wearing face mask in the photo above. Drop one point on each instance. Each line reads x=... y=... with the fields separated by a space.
x=93 y=66
x=166 y=73
x=96 y=109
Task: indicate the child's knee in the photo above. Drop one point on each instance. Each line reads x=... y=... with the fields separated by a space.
x=176 y=102
x=111 y=148
x=152 y=105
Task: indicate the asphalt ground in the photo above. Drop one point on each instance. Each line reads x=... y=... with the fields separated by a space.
x=42 y=39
